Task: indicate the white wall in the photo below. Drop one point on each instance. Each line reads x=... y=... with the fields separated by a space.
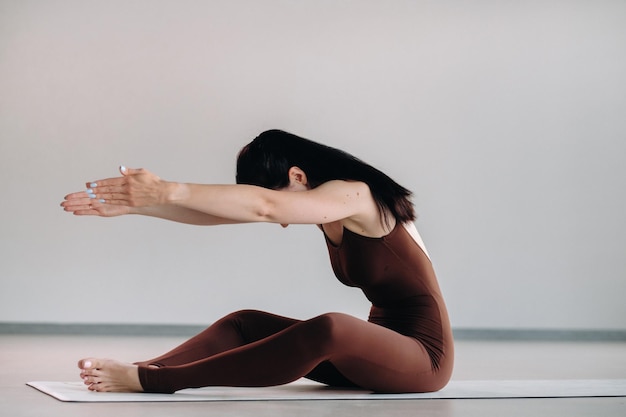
x=507 y=119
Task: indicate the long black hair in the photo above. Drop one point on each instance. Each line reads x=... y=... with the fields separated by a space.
x=266 y=161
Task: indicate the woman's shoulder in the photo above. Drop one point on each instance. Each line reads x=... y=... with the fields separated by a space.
x=367 y=220
x=343 y=184
x=346 y=189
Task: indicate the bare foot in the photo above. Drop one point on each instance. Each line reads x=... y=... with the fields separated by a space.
x=106 y=375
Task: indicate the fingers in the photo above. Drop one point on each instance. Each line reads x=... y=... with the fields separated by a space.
x=80 y=201
x=115 y=181
x=84 y=204
x=79 y=205
x=107 y=193
x=112 y=196
x=130 y=171
x=76 y=196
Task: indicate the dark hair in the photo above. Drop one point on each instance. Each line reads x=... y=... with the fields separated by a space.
x=266 y=161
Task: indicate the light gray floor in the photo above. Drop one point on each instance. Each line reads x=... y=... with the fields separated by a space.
x=26 y=358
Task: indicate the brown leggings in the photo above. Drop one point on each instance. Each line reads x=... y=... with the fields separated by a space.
x=252 y=348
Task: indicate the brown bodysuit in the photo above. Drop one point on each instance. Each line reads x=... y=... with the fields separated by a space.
x=405 y=346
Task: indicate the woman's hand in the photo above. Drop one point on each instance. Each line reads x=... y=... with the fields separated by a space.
x=81 y=204
x=117 y=196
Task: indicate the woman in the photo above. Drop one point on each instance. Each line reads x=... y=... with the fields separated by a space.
x=367 y=222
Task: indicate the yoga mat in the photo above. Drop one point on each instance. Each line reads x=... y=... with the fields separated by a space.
x=305 y=390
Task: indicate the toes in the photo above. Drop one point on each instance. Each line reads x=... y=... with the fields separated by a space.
x=105 y=375
x=86 y=363
x=91 y=363
x=92 y=379
x=101 y=387
x=91 y=372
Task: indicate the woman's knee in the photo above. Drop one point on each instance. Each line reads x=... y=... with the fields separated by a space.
x=241 y=315
x=331 y=329
x=253 y=325
x=238 y=321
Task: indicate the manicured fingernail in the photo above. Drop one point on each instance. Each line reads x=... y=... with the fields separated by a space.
x=122 y=168
x=87 y=364
x=89 y=191
x=101 y=200
x=91 y=195
x=93 y=185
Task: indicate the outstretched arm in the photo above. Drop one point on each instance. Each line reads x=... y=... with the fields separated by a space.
x=86 y=203
x=81 y=204
x=141 y=192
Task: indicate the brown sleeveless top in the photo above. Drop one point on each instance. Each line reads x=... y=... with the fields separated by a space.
x=395 y=274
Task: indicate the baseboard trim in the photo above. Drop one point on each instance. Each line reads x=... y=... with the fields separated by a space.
x=541 y=335
x=100 y=329
x=180 y=330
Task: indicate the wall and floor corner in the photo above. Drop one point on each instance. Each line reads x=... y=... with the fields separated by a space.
x=506 y=119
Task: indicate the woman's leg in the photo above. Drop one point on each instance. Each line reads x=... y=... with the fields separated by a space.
x=232 y=331
x=369 y=355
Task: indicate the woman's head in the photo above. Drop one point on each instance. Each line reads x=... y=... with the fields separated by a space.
x=267 y=159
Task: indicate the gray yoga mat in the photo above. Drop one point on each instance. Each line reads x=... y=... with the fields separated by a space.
x=304 y=390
